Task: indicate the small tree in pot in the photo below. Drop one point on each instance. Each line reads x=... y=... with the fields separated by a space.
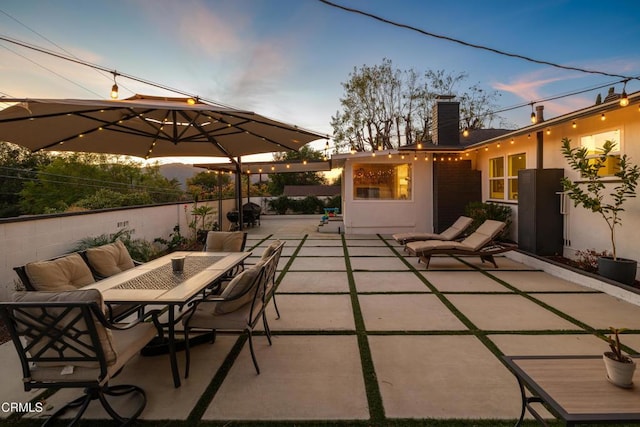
x=590 y=194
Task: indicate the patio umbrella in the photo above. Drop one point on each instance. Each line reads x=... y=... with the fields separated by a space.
x=147 y=127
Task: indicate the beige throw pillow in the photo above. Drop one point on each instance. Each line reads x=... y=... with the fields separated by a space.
x=239 y=291
x=111 y=259
x=62 y=274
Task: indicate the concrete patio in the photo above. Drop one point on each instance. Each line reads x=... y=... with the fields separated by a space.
x=368 y=337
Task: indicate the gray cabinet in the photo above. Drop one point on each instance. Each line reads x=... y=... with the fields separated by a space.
x=539 y=217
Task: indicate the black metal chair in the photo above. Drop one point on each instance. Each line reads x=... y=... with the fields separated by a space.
x=64 y=340
x=238 y=309
x=272 y=251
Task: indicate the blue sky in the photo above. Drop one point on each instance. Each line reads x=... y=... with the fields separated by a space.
x=287 y=58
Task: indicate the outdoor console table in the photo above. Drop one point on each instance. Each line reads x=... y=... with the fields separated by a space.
x=155 y=283
x=575 y=389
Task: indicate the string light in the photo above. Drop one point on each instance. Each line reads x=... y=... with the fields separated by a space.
x=191 y=101
x=624 y=100
x=548 y=131
x=465 y=132
x=114 y=88
x=534 y=119
x=603 y=117
x=574 y=124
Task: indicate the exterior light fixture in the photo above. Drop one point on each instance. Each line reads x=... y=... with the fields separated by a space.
x=114 y=88
x=624 y=99
x=534 y=119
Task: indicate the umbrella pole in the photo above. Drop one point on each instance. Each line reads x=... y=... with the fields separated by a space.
x=239 y=193
x=220 y=202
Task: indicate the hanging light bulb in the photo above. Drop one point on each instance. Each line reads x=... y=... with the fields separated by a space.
x=534 y=119
x=574 y=124
x=191 y=101
x=624 y=99
x=465 y=132
x=603 y=117
x=419 y=145
x=114 y=88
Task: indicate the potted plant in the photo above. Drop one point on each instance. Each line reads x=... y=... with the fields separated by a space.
x=590 y=194
x=620 y=368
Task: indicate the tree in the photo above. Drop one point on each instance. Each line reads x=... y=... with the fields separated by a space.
x=17 y=166
x=277 y=181
x=83 y=178
x=204 y=185
x=384 y=107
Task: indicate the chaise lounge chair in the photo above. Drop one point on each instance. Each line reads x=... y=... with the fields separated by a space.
x=479 y=243
x=450 y=233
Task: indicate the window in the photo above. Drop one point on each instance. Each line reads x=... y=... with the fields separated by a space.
x=382 y=181
x=516 y=162
x=496 y=178
x=593 y=144
x=499 y=179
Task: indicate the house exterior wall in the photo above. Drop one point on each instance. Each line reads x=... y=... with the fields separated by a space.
x=582 y=229
x=389 y=216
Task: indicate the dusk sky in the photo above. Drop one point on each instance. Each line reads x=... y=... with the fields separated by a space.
x=286 y=59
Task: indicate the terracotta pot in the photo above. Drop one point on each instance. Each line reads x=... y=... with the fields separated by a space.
x=621 y=270
x=619 y=373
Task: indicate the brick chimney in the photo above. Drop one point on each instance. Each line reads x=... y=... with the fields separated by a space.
x=539 y=114
x=445 y=119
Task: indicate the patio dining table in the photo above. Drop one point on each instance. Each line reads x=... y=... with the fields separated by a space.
x=155 y=283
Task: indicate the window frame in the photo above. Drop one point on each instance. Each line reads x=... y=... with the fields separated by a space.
x=506 y=179
x=374 y=188
x=617 y=154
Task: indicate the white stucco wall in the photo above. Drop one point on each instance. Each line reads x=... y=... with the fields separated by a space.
x=40 y=238
x=389 y=216
x=583 y=229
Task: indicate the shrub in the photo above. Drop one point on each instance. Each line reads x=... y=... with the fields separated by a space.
x=334 y=202
x=280 y=205
x=480 y=212
x=587 y=260
x=310 y=205
x=139 y=249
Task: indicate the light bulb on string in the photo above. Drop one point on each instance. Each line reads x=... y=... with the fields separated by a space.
x=114 y=88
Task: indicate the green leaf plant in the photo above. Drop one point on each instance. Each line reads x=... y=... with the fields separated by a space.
x=591 y=190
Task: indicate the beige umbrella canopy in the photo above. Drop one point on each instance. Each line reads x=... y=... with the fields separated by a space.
x=146 y=126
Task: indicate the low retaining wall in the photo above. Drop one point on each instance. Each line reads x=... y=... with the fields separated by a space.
x=41 y=237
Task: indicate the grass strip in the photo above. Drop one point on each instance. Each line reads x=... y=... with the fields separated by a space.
x=374 y=398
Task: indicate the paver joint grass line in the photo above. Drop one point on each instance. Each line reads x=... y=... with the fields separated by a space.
x=374 y=397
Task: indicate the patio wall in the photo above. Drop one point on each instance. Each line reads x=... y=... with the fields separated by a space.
x=35 y=238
